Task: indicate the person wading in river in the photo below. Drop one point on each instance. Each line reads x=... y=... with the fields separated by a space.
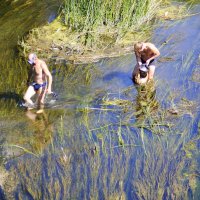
x=145 y=54
x=42 y=82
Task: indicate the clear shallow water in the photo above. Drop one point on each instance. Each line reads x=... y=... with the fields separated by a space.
x=87 y=146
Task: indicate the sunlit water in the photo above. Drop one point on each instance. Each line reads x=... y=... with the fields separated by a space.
x=89 y=144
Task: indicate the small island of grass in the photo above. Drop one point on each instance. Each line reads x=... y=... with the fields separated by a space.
x=87 y=30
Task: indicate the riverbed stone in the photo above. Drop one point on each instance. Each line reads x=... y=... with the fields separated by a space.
x=196 y=75
x=3 y=175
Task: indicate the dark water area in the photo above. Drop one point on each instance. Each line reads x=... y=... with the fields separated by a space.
x=102 y=138
x=18 y=17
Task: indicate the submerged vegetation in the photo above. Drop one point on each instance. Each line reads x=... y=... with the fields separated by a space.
x=105 y=152
x=127 y=147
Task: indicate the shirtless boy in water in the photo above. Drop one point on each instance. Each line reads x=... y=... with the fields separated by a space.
x=40 y=85
x=145 y=54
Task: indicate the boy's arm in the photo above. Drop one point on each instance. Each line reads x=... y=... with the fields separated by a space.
x=48 y=74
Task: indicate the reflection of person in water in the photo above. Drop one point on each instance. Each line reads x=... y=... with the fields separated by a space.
x=42 y=130
x=41 y=127
x=144 y=70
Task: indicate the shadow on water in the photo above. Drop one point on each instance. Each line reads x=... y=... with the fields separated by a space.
x=104 y=138
x=10 y=96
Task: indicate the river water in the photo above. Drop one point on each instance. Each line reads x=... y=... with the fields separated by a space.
x=102 y=138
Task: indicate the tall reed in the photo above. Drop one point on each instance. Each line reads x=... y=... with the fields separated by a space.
x=84 y=14
x=94 y=16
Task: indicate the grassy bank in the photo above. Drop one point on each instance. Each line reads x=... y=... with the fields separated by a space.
x=87 y=30
x=97 y=19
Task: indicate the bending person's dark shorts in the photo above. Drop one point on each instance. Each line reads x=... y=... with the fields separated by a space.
x=143 y=74
x=37 y=86
x=143 y=62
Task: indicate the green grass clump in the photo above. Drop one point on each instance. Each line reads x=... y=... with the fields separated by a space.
x=94 y=16
x=86 y=14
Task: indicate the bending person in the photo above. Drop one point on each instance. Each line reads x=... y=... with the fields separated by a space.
x=42 y=82
x=145 y=54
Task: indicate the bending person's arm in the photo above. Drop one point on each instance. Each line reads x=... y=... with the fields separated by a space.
x=138 y=58
x=155 y=53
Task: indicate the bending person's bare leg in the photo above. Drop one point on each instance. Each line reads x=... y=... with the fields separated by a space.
x=135 y=71
x=151 y=71
x=136 y=76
